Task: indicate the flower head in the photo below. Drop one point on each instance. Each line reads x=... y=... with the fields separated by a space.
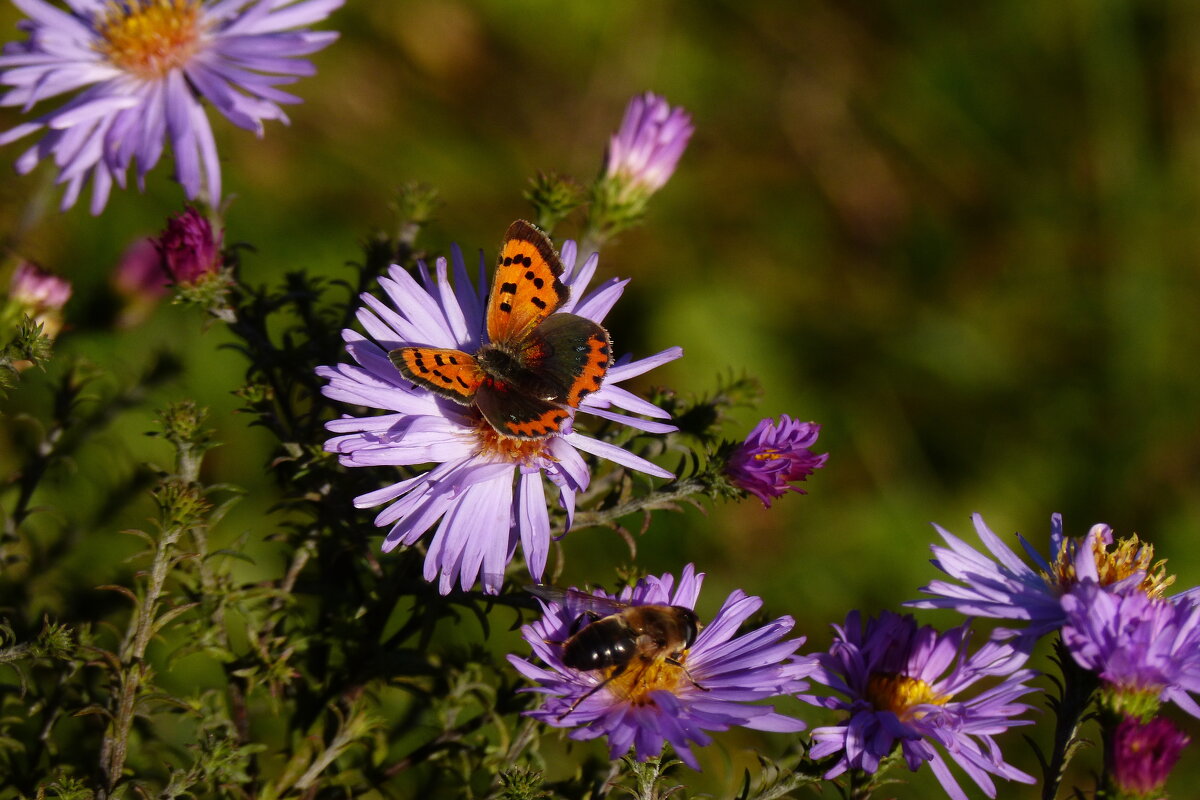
x=773 y=456
x=143 y=67
x=1144 y=649
x=188 y=250
x=1006 y=587
x=38 y=293
x=485 y=488
x=709 y=687
x=1141 y=755
x=652 y=137
x=139 y=274
x=901 y=685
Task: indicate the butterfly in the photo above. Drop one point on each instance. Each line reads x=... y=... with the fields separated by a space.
x=534 y=361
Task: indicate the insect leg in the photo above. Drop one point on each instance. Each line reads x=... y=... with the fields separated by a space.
x=615 y=673
x=675 y=662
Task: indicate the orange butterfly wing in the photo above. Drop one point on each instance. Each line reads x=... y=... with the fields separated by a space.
x=450 y=373
x=518 y=415
x=526 y=289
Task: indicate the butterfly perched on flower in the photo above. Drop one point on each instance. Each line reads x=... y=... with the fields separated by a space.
x=535 y=363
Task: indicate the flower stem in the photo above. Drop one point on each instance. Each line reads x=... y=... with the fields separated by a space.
x=664 y=497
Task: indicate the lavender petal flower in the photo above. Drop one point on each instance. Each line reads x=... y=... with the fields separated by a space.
x=141 y=68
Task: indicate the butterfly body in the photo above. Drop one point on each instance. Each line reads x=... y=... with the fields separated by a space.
x=534 y=362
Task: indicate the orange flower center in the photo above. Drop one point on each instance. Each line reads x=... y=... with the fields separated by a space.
x=1127 y=557
x=635 y=684
x=506 y=448
x=770 y=454
x=899 y=694
x=149 y=38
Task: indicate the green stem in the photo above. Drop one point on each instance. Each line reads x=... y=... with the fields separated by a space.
x=664 y=497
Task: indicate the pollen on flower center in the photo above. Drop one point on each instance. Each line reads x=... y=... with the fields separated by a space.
x=900 y=693
x=507 y=448
x=149 y=38
x=638 y=680
x=1128 y=557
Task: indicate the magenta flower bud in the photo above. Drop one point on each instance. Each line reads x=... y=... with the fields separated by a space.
x=648 y=145
x=1141 y=756
x=188 y=249
x=773 y=456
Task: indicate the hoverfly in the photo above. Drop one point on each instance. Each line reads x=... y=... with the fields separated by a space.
x=621 y=636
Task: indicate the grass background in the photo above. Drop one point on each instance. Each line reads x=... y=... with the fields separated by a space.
x=964 y=239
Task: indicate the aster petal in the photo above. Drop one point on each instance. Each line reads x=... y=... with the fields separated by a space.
x=616 y=454
x=534 y=524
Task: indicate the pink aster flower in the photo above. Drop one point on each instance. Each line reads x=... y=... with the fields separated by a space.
x=143 y=67
x=36 y=290
x=711 y=686
x=139 y=274
x=903 y=686
x=773 y=456
x=38 y=293
x=486 y=490
x=652 y=137
x=1140 y=756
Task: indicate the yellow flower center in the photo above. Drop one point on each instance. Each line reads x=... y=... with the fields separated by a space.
x=506 y=448
x=899 y=694
x=1127 y=557
x=770 y=454
x=639 y=679
x=149 y=38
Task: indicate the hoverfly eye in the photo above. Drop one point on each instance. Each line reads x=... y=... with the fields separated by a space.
x=692 y=627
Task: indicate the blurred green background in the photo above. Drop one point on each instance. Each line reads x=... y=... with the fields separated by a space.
x=963 y=237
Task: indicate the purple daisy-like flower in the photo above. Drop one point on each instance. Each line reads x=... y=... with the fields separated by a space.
x=1003 y=586
x=486 y=489
x=1141 y=647
x=1140 y=756
x=899 y=685
x=144 y=66
x=652 y=137
x=710 y=687
x=773 y=456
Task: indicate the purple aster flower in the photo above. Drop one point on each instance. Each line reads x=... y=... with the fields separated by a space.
x=652 y=138
x=188 y=250
x=1145 y=649
x=143 y=67
x=486 y=489
x=773 y=456
x=901 y=685
x=1003 y=586
x=1140 y=756
x=710 y=687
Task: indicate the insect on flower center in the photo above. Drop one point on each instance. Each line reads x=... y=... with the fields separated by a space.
x=900 y=694
x=506 y=448
x=1128 y=557
x=635 y=684
x=149 y=38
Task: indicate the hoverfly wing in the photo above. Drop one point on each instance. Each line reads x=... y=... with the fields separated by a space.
x=575 y=600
